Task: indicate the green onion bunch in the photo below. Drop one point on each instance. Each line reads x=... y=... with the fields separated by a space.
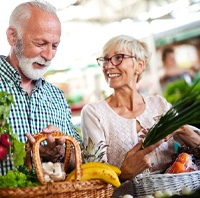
x=185 y=111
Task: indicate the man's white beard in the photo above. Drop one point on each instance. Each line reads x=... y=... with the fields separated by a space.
x=26 y=64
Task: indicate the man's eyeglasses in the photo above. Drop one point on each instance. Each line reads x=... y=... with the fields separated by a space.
x=115 y=59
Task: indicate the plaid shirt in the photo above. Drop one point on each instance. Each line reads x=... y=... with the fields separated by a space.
x=47 y=105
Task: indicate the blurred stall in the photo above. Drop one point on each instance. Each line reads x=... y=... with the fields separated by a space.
x=88 y=24
x=185 y=40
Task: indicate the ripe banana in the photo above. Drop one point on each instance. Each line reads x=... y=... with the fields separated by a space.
x=105 y=174
x=97 y=164
x=103 y=165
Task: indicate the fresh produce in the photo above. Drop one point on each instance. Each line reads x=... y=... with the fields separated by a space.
x=185 y=192
x=167 y=192
x=6 y=100
x=177 y=167
x=30 y=174
x=4 y=140
x=101 y=171
x=13 y=179
x=176 y=90
x=92 y=153
x=127 y=196
x=158 y=194
x=9 y=143
x=97 y=164
x=4 y=143
x=18 y=178
x=184 y=158
x=185 y=111
x=3 y=152
x=183 y=163
x=53 y=171
x=93 y=166
x=100 y=164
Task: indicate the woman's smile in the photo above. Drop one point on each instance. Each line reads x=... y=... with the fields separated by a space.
x=113 y=75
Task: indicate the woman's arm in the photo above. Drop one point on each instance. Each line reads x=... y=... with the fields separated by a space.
x=188 y=136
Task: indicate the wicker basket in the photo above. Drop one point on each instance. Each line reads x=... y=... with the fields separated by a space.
x=71 y=189
x=150 y=183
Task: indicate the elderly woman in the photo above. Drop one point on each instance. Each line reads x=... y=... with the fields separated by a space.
x=123 y=118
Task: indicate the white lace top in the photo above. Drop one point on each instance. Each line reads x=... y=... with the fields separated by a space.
x=100 y=122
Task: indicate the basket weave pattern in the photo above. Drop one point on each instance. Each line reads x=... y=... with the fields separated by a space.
x=148 y=184
x=65 y=189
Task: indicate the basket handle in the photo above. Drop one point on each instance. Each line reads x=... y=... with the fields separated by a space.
x=39 y=137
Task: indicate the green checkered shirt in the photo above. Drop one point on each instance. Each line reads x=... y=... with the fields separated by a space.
x=47 y=105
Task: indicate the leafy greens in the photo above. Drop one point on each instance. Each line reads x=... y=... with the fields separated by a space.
x=185 y=111
x=17 y=148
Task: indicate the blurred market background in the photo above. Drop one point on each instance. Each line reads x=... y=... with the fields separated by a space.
x=88 y=24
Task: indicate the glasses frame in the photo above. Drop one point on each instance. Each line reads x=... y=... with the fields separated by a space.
x=103 y=59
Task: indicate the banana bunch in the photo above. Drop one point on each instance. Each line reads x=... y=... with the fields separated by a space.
x=98 y=170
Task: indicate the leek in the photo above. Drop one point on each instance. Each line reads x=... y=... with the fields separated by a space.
x=185 y=111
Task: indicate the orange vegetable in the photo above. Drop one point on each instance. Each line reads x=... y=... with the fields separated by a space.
x=184 y=158
x=177 y=167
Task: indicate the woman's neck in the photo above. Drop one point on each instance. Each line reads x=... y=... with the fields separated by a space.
x=126 y=105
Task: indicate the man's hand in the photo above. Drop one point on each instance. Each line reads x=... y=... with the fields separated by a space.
x=54 y=149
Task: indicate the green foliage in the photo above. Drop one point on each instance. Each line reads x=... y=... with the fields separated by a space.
x=18 y=152
x=17 y=179
x=176 y=90
x=74 y=98
x=92 y=153
x=17 y=149
x=6 y=100
x=30 y=174
x=184 y=111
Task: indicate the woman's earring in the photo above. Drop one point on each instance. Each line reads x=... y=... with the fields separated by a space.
x=137 y=72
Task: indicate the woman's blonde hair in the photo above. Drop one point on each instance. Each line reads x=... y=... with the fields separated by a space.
x=137 y=48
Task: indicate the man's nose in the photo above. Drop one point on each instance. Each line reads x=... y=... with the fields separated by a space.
x=48 y=53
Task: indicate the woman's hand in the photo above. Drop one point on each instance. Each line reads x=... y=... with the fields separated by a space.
x=54 y=148
x=137 y=160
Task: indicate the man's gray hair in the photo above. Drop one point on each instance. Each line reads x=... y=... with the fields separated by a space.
x=22 y=13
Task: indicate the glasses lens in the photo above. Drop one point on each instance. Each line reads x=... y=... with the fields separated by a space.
x=117 y=59
x=100 y=61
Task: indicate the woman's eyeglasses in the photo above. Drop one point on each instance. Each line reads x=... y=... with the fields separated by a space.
x=115 y=59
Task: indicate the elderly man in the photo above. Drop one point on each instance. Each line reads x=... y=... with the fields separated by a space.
x=34 y=35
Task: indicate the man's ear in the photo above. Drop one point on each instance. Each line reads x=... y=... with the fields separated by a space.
x=11 y=35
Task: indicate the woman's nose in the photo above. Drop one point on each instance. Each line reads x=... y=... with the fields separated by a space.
x=109 y=65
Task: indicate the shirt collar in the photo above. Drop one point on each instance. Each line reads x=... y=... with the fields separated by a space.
x=40 y=82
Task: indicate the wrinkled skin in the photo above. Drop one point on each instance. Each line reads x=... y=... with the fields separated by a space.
x=39 y=39
x=54 y=148
x=137 y=160
x=38 y=43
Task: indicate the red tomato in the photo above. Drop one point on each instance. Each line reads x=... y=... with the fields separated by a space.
x=177 y=167
x=184 y=158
